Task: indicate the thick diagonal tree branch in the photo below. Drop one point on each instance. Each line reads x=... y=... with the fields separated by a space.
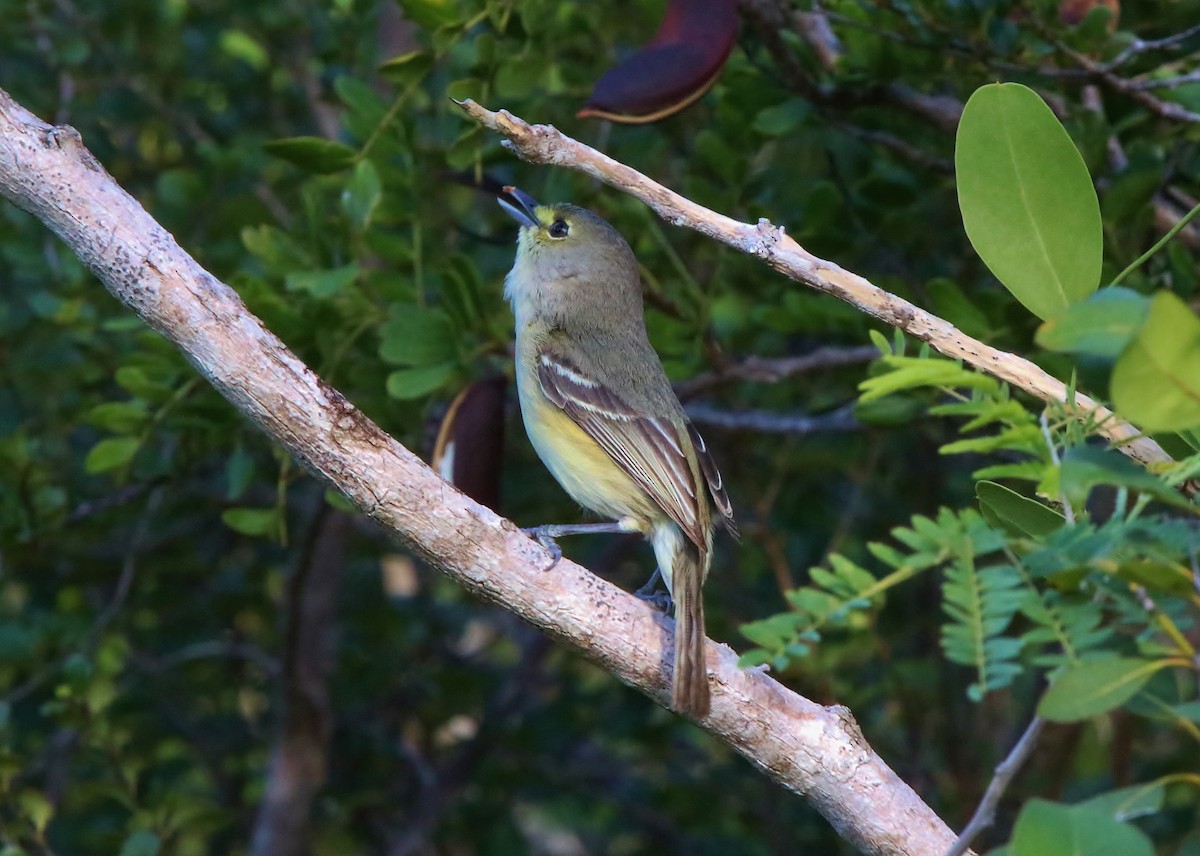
x=815 y=751
x=545 y=144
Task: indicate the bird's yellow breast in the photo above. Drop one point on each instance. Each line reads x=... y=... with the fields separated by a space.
x=577 y=462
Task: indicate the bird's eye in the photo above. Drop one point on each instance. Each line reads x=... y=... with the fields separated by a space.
x=559 y=229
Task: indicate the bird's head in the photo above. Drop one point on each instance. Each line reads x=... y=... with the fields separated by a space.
x=568 y=260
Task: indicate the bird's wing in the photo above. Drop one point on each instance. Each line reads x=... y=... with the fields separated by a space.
x=712 y=476
x=648 y=449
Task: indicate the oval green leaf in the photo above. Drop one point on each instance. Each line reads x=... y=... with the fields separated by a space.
x=1092 y=687
x=321 y=283
x=1101 y=326
x=413 y=383
x=1027 y=201
x=110 y=454
x=1085 y=467
x=313 y=154
x=251 y=521
x=1156 y=381
x=362 y=194
x=418 y=336
x=1045 y=828
x=141 y=843
x=1018 y=514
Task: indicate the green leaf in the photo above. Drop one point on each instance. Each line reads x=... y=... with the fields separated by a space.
x=1045 y=828
x=322 y=283
x=239 y=472
x=251 y=521
x=313 y=154
x=1018 y=514
x=119 y=417
x=362 y=194
x=110 y=454
x=406 y=67
x=1084 y=467
x=1156 y=381
x=1128 y=803
x=241 y=45
x=430 y=14
x=137 y=381
x=361 y=98
x=1091 y=687
x=413 y=383
x=518 y=77
x=141 y=843
x=1027 y=201
x=782 y=118
x=1100 y=326
x=277 y=249
x=36 y=808
x=418 y=336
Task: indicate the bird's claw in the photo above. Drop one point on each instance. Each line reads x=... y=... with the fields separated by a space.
x=542 y=534
x=660 y=600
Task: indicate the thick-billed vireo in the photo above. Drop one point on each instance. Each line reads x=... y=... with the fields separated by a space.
x=602 y=415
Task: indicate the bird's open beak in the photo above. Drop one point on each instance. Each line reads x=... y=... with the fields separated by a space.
x=523 y=211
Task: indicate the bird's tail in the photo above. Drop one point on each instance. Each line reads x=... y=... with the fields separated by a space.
x=684 y=567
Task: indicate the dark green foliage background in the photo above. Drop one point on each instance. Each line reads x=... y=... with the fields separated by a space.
x=154 y=709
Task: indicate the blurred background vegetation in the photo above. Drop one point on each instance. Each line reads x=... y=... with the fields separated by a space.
x=175 y=593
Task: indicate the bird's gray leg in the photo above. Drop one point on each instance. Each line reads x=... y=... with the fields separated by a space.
x=546 y=535
x=658 y=599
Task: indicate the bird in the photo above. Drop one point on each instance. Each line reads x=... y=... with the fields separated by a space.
x=602 y=416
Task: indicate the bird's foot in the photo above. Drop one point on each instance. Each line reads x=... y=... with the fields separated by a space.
x=649 y=593
x=545 y=535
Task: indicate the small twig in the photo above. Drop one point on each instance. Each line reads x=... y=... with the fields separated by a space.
x=1140 y=46
x=1164 y=109
x=776 y=369
x=128 y=569
x=773 y=423
x=111 y=609
x=211 y=649
x=120 y=497
x=903 y=148
x=985 y=814
x=820 y=37
x=1165 y=82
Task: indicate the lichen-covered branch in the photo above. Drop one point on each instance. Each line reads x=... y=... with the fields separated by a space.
x=810 y=749
x=545 y=144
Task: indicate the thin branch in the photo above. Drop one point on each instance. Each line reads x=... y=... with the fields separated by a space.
x=1165 y=82
x=547 y=145
x=1140 y=46
x=765 y=422
x=111 y=610
x=900 y=146
x=1164 y=109
x=776 y=369
x=985 y=814
x=815 y=751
